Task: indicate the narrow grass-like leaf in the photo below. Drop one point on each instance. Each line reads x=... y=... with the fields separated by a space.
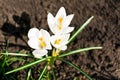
x=15 y=59
x=75 y=78
x=80 y=29
x=78 y=50
x=54 y=77
x=43 y=72
x=11 y=60
x=5 y=60
x=76 y=67
x=29 y=73
x=26 y=66
x=16 y=54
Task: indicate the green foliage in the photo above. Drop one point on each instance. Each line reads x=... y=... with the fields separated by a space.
x=4 y=67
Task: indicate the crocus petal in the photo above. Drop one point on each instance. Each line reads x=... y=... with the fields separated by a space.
x=51 y=21
x=63 y=47
x=33 y=32
x=49 y=47
x=34 y=43
x=53 y=39
x=65 y=37
x=63 y=41
x=39 y=53
x=67 y=30
x=50 y=18
x=61 y=13
x=68 y=20
x=46 y=37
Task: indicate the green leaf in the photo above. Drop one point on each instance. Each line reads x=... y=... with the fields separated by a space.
x=42 y=72
x=16 y=54
x=13 y=59
x=78 y=51
x=29 y=73
x=54 y=76
x=80 y=29
x=26 y=66
x=76 y=67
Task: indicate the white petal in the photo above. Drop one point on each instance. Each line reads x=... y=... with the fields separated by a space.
x=61 y=13
x=66 y=37
x=68 y=20
x=51 y=22
x=49 y=46
x=56 y=30
x=46 y=37
x=63 y=47
x=50 y=18
x=32 y=32
x=34 y=43
x=52 y=39
x=39 y=53
x=67 y=30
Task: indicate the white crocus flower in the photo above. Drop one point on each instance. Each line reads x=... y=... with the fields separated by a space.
x=40 y=41
x=60 y=23
x=60 y=41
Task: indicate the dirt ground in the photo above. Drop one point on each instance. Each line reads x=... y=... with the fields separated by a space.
x=18 y=16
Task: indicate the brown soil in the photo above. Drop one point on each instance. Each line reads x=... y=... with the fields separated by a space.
x=18 y=16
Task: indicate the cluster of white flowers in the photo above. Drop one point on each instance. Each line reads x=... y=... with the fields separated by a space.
x=41 y=41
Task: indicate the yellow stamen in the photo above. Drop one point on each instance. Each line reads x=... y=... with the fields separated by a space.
x=60 y=20
x=42 y=43
x=60 y=27
x=55 y=53
x=57 y=41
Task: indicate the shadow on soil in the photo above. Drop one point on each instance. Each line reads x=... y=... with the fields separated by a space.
x=18 y=31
